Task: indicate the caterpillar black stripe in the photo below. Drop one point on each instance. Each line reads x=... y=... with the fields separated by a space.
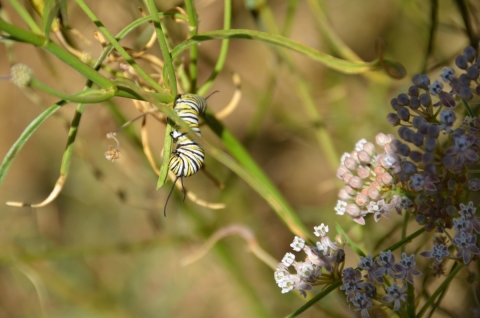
x=188 y=156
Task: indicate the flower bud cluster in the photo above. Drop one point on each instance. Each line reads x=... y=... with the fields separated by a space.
x=464 y=240
x=433 y=156
x=384 y=265
x=369 y=181
x=324 y=255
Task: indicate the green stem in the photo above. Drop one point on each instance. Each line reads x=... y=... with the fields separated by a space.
x=22 y=35
x=227 y=19
x=469 y=110
x=317 y=298
x=404 y=229
x=101 y=95
x=123 y=53
x=26 y=17
x=193 y=26
x=347 y=67
x=167 y=58
x=455 y=269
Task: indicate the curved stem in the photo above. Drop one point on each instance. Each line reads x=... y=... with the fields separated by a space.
x=85 y=97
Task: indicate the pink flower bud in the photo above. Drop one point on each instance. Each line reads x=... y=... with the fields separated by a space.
x=361 y=199
x=355 y=182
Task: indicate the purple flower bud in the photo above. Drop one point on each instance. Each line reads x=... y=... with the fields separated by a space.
x=425 y=99
x=430 y=168
x=433 y=131
x=472 y=72
x=464 y=80
x=415 y=156
x=355 y=182
x=461 y=61
x=465 y=93
x=403 y=99
x=448 y=162
x=408 y=167
x=403 y=113
x=421 y=81
x=414 y=102
x=470 y=53
x=428 y=158
x=421 y=219
x=404 y=150
x=393 y=119
x=423 y=129
x=430 y=144
x=413 y=91
x=418 y=121
x=477 y=90
x=394 y=103
x=405 y=133
x=417 y=139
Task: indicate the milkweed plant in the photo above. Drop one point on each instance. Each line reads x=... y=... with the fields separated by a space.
x=423 y=171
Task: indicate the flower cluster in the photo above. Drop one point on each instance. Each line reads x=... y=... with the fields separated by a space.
x=325 y=255
x=369 y=181
x=464 y=240
x=384 y=265
x=428 y=163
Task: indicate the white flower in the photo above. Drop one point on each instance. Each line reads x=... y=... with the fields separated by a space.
x=359 y=144
x=288 y=259
x=345 y=155
x=305 y=269
x=322 y=246
x=287 y=284
x=298 y=244
x=321 y=230
x=280 y=274
x=340 y=208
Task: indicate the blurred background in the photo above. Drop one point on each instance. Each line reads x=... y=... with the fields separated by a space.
x=104 y=248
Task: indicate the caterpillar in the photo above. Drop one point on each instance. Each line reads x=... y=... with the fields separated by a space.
x=188 y=156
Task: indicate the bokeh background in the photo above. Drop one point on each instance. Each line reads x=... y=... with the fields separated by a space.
x=104 y=248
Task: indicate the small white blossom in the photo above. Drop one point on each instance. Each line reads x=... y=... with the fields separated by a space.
x=340 y=208
x=287 y=284
x=359 y=144
x=298 y=244
x=288 y=259
x=321 y=230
